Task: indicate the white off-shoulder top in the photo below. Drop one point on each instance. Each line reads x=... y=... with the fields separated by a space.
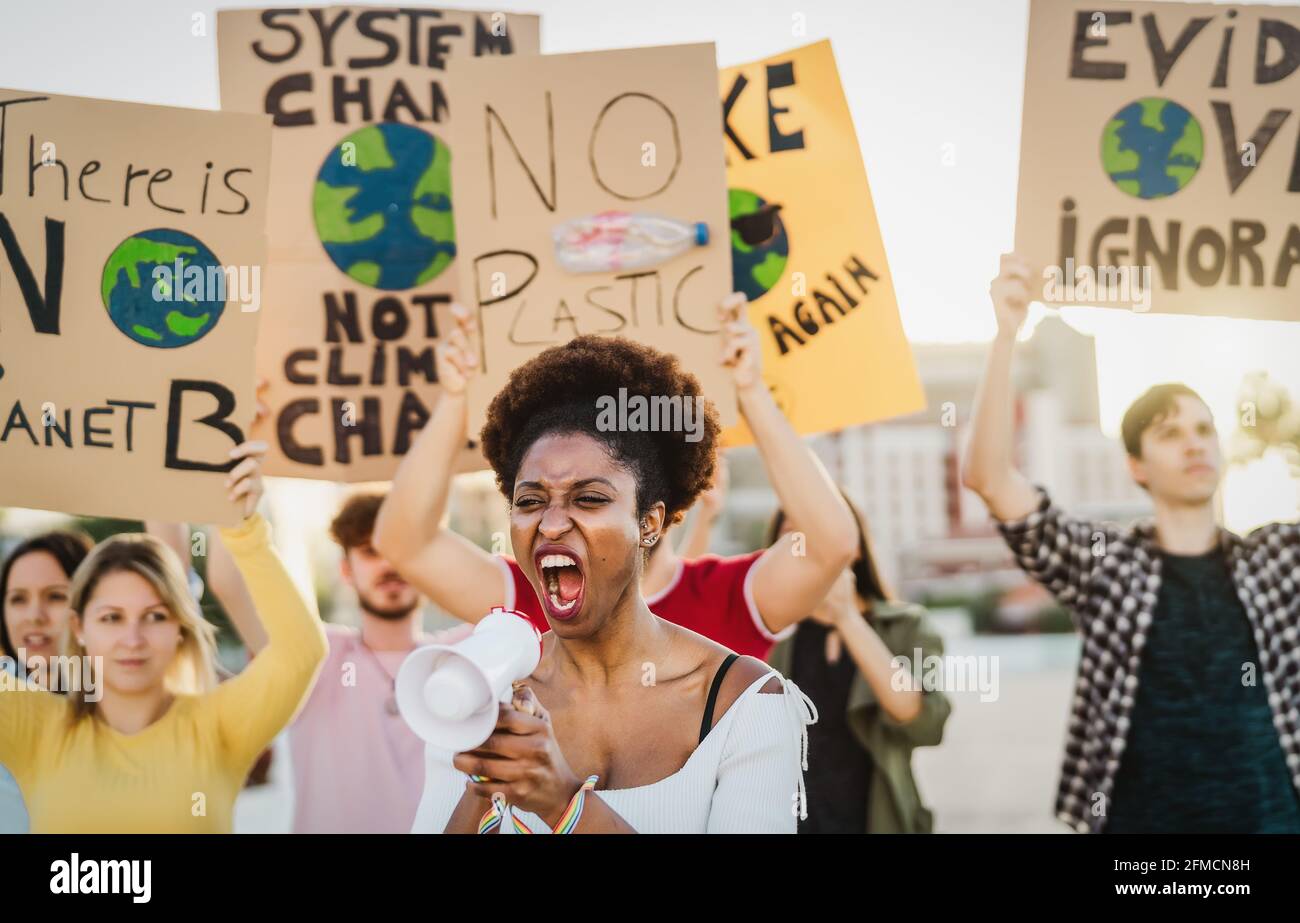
x=746 y=776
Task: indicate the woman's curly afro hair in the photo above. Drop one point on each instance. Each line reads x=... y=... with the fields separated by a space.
x=557 y=392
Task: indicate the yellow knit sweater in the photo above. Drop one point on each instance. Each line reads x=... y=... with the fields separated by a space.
x=180 y=774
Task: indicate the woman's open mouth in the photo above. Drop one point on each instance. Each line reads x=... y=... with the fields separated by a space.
x=37 y=641
x=562 y=584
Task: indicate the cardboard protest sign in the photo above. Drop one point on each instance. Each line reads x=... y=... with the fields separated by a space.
x=591 y=199
x=361 y=228
x=131 y=261
x=1160 y=157
x=807 y=250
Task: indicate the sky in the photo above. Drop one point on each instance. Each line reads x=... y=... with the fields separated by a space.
x=935 y=88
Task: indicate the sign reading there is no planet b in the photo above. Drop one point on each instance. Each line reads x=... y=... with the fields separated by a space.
x=131 y=268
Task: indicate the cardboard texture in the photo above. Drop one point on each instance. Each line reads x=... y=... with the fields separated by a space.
x=1161 y=145
x=361 y=227
x=131 y=283
x=557 y=138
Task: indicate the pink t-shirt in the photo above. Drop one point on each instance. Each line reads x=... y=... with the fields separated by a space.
x=357 y=768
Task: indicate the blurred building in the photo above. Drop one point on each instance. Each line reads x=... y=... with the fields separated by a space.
x=932 y=537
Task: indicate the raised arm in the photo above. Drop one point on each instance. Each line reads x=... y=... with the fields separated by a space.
x=694 y=543
x=1057 y=550
x=223 y=577
x=870 y=654
x=256 y=705
x=787 y=586
x=988 y=467
x=223 y=580
x=915 y=715
x=410 y=531
x=228 y=586
x=175 y=535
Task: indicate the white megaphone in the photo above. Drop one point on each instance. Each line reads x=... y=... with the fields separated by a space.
x=448 y=693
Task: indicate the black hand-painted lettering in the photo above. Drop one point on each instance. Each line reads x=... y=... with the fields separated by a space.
x=217 y=419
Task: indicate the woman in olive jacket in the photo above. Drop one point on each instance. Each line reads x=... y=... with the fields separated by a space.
x=853 y=657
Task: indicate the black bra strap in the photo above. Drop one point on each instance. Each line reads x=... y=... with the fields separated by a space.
x=707 y=724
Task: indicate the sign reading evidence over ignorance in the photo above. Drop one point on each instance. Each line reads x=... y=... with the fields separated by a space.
x=1160 y=157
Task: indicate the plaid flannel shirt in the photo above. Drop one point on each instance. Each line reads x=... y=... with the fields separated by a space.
x=1109 y=579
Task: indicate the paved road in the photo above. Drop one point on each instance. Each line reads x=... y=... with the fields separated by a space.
x=997 y=769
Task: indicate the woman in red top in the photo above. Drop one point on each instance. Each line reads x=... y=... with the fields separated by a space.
x=746 y=603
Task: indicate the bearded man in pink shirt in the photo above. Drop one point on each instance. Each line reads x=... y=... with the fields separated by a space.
x=357 y=766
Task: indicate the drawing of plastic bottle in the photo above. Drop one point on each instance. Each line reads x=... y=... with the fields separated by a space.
x=614 y=241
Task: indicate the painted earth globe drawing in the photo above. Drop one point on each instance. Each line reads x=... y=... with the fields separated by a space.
x=144 y=289
x=1152 y=148
x=760 y=247
x=382 y=206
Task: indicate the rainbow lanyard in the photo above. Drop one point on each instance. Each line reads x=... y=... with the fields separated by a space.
x=492 y=818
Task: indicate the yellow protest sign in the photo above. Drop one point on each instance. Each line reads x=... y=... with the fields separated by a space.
x=807 y=250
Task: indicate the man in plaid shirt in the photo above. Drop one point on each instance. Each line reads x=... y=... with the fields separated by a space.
x=1186 y=712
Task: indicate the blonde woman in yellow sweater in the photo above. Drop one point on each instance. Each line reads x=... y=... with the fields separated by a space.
x=154 y=745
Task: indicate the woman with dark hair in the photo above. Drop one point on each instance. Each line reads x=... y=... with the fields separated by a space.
x=34 y=598
x=602 y=737
x=745 y=602
x=34 y=581
x=145 y=741
x=871 y=714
